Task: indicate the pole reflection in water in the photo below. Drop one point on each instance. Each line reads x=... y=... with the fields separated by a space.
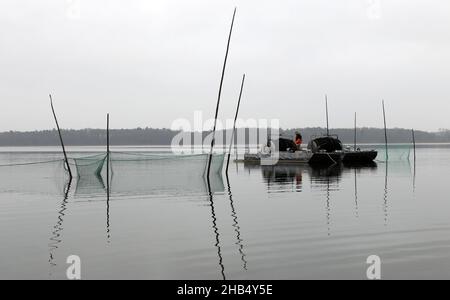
x=108 y=186
x=215 y=228
x=385 y=195
x=356 y=195
x=328 y=207
x=327 y=177
x=55 y=239
x=236 y=226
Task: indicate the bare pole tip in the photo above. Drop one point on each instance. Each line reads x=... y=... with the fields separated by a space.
x=234 y=15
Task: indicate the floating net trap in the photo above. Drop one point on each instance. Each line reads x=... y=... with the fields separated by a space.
x=130 y=173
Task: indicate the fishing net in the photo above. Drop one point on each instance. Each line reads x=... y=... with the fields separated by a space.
x=90 y=186
x=197 y=163
x=89 y=165
x=395 y=152
x=138 y=173
x=130 y=173
x=32 y=173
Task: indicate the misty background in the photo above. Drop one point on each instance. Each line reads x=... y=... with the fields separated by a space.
x=151 y=62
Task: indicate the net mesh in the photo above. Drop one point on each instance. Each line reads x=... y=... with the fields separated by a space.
x=395 y=152
x=89 y=165
x=136 y=173
x=25 y=174
x=139 y=173
x=89 y=186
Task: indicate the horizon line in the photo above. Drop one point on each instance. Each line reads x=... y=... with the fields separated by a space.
x=180 y=130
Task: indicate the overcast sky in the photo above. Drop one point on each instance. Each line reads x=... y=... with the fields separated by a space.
x=149 y=62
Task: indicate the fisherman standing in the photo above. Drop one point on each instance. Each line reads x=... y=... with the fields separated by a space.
x=298 y=140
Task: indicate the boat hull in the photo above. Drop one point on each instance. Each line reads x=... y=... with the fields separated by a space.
x=325 y=158
x=307 y=157
x=298 y=157
x=358 y=157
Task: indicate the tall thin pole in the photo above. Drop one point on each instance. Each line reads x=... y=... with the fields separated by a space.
x=415 y=162
x=219 y=95
x=107 y=134
x=107 y=178
x=355 y=134
x=326 y=107
x=414 y=143
x=107 y=151
x=61 y=139
x=234 y=124
x=385 y=132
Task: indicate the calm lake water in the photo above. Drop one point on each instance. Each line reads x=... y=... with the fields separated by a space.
x=286 y=222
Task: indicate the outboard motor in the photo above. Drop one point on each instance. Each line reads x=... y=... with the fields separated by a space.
x=325 y=144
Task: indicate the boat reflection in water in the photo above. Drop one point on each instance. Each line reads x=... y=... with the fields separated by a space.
x=290 y=178
x=324 y=181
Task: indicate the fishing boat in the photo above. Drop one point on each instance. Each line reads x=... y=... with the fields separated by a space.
x=331 y=145
x=323 y=150
x=326 y=149
x=284 y=151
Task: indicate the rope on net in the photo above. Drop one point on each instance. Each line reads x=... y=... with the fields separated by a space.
x=50 y=161
x=93 y=164
x=32 y=163
x=151 y=157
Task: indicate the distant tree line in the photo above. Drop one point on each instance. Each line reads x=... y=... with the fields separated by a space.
x=88 y=137
x=375 y=135
x=150 y=136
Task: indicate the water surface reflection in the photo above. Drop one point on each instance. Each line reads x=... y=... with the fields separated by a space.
x=258 y=222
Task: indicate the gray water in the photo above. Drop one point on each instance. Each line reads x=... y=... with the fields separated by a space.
x=287 y=222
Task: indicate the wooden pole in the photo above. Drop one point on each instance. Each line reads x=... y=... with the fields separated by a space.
x=219 y=95
x=385 y=132
x=107 y=152
x=355 y=134
x=414 y=143
x=234 y=124
x=107 y=133
x=415 y=162
x=326 y=108
x=107 y=178
x=61 y=139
